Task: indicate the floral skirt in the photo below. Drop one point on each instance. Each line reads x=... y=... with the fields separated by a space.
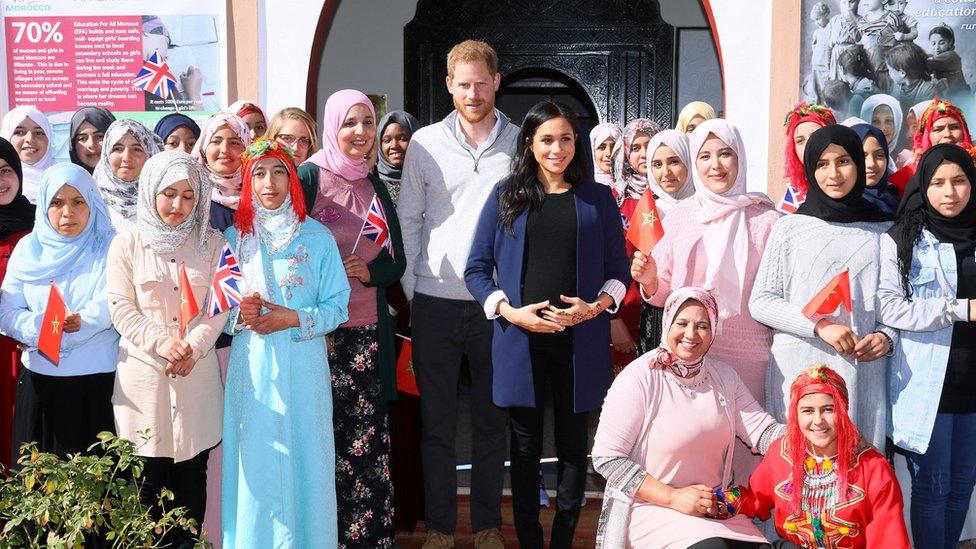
x=364 y=488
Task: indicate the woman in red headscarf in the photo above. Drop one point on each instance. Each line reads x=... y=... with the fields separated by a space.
x=801 y=122
x=941 y=122
x=848 y=496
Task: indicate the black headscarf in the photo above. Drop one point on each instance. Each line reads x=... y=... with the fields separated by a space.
x=96 y=116
x=916 y=212
x=883 y=195
x=387 y=171
x=170 y=122
x=852 y=207
x=19 y=214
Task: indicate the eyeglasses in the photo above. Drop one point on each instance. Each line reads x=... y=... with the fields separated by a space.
x=292 y=141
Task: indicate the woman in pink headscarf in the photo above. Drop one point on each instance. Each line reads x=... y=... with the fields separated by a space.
x=340 y=191
x=715 y=240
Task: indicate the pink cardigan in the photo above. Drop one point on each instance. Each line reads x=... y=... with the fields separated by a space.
x=740 y=342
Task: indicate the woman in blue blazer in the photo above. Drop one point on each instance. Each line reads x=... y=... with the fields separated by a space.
x=553 y=238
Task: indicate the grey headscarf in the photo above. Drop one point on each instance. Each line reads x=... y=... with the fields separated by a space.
x=121 y=195
x=161 y=171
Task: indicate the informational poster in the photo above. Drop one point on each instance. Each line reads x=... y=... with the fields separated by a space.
x=61 y=55
x=913 y=50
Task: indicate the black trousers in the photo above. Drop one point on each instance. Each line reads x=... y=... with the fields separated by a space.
x=188 y=482
x=443 y=331
x=721 y=543
x=552 y=366
x=62 y=414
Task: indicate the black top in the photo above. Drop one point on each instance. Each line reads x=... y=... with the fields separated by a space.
x=959 y=389
x=550 y=258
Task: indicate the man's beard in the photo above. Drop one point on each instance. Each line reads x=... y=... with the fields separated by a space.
x=489 y=108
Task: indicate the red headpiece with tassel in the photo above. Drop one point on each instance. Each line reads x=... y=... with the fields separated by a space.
x=260 y=149
x=803 y=112
x=813 y=380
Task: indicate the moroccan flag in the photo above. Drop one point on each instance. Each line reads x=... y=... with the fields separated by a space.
x=405 y=379
x=188 y=303
x=645 y=230
x=836 y=292
x=52 y=326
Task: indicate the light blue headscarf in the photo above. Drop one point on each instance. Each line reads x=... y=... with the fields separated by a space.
x=45 y=255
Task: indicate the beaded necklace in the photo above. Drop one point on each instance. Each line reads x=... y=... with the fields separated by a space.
x=819 y=493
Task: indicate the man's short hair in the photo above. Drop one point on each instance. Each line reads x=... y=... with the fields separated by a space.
x=472 y=50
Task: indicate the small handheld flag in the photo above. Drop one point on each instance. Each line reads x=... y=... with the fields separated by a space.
x=837 y=292
x=375 y=227
x=225 y=291
x=155 y=77
x=789 y=204
x=406 y=380
x=188 y=304
x=52 y=326
x=644 y=229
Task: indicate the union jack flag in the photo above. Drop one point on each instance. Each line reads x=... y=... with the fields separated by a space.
x=225 y=291
x=155 y=77
x=789 y=204
x=375 y=226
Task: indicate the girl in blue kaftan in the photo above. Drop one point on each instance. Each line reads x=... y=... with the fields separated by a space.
x=279 y=457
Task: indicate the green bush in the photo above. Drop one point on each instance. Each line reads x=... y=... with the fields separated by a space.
x=50 y=502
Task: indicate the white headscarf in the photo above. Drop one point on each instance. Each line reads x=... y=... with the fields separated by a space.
x=599 y=134
x=121 y=195
x=161 y=171
x=677 y=142
x=226 y=189
x=32 y=172
x=724 y=245
x=875 y=101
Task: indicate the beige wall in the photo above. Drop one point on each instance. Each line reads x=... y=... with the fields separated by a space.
x=242 y=49
x=784 y=87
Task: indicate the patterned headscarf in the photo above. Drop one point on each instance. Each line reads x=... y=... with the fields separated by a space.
x=626 y=180
x=803 y=112
x=599 y=134
x=226 y=189
x=663 y=356
x=161 y=171
x=121 y=195
x=814 y=380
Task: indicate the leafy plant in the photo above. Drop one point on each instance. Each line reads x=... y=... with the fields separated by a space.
x=55 y=503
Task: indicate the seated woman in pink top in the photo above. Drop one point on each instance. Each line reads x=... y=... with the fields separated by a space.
x=715 y=240
x=666 y=439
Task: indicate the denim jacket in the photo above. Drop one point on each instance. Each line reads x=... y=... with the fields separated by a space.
x=918 y=366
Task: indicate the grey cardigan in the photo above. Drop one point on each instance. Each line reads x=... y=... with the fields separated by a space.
x=802 y=254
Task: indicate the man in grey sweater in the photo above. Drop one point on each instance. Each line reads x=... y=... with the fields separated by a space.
x=451 y=170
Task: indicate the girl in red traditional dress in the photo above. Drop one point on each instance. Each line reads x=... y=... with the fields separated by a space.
x=848 y=496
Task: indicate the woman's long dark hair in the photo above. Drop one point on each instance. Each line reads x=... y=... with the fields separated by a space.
x=523 y=190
